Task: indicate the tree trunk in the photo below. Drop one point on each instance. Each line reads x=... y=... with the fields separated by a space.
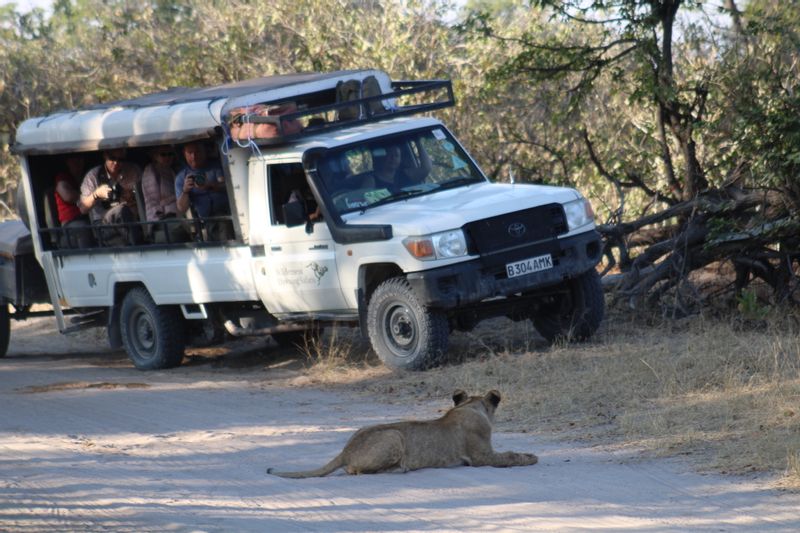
x=695 y=179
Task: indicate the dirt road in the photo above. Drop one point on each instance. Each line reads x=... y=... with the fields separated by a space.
x=88 y=443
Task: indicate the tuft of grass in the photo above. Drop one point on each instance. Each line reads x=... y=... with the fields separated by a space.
x=338 y=356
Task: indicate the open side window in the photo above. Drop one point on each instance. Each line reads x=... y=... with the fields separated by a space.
x=43 y=170
x=290 y=194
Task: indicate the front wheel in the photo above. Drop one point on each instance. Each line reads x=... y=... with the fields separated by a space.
x=404 y=333
x=152 y=335
x=574 y=314
x=5 y=328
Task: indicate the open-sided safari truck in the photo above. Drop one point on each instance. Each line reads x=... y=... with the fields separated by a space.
x=346 y=208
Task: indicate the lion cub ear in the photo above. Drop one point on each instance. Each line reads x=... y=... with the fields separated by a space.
x=459 y=397
x=493 y=396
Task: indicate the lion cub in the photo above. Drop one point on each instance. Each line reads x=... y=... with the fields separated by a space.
x=461 y=437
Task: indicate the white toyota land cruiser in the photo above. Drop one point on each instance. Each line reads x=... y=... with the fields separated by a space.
x=344 y=207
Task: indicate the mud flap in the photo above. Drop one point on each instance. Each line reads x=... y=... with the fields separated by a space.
x=114 y=331
x=362 y=314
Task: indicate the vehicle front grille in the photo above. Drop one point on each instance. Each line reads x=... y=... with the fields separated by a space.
x=514 y=230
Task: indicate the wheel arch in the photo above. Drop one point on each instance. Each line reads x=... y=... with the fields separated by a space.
x=372 y=275
x=369 y=277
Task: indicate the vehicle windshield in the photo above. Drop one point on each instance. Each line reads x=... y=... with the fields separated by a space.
x=385 y=170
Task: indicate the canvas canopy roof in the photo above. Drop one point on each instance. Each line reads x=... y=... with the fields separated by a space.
x=173 y=116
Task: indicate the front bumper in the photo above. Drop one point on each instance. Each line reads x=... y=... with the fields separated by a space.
x=479 y=279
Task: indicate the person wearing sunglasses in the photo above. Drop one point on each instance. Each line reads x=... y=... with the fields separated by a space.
x=158 y=191
x=108 y=195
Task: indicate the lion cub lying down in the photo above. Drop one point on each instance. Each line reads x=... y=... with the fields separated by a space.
x=463 y=436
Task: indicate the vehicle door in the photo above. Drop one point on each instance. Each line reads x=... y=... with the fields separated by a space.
x=296 y=270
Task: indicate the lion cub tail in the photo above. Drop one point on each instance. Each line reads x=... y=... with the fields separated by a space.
x=335 y=464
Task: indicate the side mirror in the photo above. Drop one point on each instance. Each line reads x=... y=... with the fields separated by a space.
x=294 y=214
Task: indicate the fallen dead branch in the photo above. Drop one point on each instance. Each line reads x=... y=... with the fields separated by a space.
x=754 y=230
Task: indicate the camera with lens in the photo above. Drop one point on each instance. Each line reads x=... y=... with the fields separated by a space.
x=115 y=194
x=200 y=179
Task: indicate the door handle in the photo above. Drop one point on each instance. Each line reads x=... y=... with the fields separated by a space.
x=275 y=248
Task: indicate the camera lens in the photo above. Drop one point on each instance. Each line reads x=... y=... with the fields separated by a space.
x=116 y=192
x=199 y=180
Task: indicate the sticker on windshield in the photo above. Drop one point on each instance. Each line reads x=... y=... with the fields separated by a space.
x=354 y=204
x=439 y=134
x=373 y=196
x=458 y=163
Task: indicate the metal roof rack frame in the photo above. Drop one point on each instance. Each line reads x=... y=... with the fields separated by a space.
x=366 y=115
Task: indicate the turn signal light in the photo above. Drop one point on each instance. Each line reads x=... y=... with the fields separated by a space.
x=420 y=248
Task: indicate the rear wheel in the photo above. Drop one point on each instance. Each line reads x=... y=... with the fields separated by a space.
x=153 y=335
x=575 y=314
x=404 y=333
x=5 y=328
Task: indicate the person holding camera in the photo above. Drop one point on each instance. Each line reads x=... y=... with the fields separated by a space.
x=200 y=186
x=108 y=195
x=158 y=192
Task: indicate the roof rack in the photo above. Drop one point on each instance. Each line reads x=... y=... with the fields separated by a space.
x=439 y=93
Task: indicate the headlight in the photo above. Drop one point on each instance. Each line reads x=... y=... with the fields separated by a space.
x=443 y=245
x=579 y=213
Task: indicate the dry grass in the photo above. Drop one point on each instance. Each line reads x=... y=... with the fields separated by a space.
x=340 y=356
x=723 y=392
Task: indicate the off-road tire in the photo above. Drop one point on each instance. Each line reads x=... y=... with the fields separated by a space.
x=575 y=315
x=5 y=328
x=404 y=333
x=153 y=335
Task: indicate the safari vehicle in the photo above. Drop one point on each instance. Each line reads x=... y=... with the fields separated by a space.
x=320 y=235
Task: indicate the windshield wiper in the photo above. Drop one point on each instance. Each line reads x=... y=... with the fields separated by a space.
x=396 y=196
x=458 y=182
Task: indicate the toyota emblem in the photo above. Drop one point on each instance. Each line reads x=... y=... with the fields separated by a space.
x=517 y=229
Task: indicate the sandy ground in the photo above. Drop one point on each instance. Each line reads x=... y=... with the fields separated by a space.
x=87 y=443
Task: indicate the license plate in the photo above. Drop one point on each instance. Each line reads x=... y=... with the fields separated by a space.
x=529 y=266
